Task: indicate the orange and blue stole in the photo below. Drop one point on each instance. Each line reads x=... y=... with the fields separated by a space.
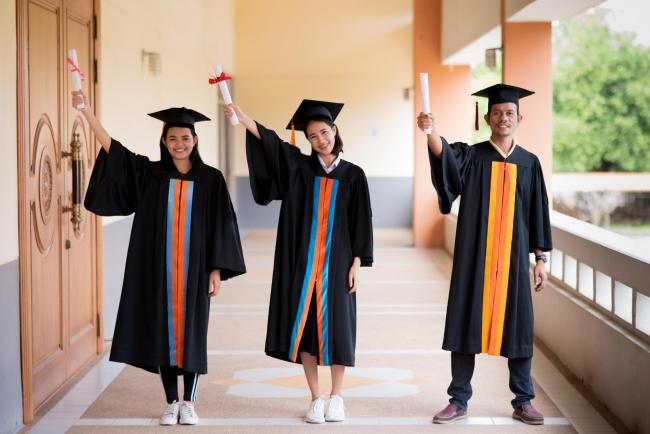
x=317 y=269
x=179 y=220
x=503 y=187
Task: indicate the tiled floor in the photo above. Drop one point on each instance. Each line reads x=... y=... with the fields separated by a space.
x=399 y=381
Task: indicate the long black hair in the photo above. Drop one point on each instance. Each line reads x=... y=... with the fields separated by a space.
x=338 y=141
x=166 y=158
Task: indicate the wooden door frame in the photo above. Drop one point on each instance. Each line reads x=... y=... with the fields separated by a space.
x=24 y=246
x=99 y=227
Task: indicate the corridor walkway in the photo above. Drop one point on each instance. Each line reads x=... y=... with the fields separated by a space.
x=398 y=384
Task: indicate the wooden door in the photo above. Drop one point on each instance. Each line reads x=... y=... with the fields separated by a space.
x=60 y=290
x=82 y=255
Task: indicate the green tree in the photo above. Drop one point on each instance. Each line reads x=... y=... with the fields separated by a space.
x=601 y=98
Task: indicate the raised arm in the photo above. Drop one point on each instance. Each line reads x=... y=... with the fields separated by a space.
x=101 y=134
x=244 y=119
x=425 y=120
x=271 y=161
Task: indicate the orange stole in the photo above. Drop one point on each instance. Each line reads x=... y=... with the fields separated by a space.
x=316 y=273
x=179 y=217
x=503 y=186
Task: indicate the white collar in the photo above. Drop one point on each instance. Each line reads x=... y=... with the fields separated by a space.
x=333 y=166
x=498 y=149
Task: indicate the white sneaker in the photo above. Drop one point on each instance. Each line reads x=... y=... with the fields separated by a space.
x=170 y=416
x=316 y=413
x=335 y=409
x=188 y=415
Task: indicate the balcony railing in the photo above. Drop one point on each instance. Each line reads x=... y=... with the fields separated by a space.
x=608 y=271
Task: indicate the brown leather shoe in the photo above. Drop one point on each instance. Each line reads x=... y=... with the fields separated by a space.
x=451 y=413
x=527 y=414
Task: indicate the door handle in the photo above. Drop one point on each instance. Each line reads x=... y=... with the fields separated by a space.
x=75 y=155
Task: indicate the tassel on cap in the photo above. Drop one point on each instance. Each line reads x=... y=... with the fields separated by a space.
x=476 y=117
x=293 y=135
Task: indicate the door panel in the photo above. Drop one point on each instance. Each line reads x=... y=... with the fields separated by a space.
x=81 y=255
x=45 y=187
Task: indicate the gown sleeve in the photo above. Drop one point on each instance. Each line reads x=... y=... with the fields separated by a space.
x=539 y=221
x=225 y=245
x=447 y=172
x=271 y=163
x=117 y=181
x=360 y=219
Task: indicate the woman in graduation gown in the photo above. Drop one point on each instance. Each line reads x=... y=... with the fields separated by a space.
x=324 y=236
x=184 y=242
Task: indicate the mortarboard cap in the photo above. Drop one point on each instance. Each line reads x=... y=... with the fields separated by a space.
x=179 y=115
x=500 y=93
x=310 y=109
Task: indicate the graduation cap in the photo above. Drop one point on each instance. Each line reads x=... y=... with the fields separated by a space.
x=310 y=109
x=179 y=115
x=500 y=93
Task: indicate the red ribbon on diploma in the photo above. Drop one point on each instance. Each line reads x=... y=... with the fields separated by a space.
x=220 y=78
x=75 y=68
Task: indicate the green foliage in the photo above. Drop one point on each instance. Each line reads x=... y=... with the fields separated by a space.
x=601 y=98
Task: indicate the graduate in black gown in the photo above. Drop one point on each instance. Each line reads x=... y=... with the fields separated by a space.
x=324 y=236
x=503 y=217
x=184 y=242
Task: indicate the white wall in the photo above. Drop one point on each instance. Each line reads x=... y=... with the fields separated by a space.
x=546 y=10
x=8 y=165
x=467 y=23
x=356 y=52
x=190 y=36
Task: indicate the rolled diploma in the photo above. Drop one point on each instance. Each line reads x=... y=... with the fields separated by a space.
x=225 y=93
x=424 y=89
x=76 y=78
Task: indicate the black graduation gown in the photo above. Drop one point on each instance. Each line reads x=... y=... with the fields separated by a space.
x=325 y=222
x=503 y=216
x=184 y=227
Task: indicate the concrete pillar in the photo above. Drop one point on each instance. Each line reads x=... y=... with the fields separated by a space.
x=449 y=88
x=527 y=62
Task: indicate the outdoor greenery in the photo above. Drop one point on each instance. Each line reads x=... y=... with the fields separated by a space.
x=601 y=98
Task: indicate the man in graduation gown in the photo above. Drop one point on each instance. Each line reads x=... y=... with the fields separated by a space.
x=503 y=217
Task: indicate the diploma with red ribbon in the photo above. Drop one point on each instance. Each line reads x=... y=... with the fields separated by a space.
x=77 y=75
x=220 y=79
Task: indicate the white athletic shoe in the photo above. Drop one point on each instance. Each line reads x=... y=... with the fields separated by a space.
x=316 y=413
x=188 y=415
x=335 y=409
x=170 y=416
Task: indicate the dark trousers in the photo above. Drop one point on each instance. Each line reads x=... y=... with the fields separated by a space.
x=169 y=377
x=462 y=369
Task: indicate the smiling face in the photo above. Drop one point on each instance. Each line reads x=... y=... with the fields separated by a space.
x=180 y=142
x=504 y=119
x=321 y=137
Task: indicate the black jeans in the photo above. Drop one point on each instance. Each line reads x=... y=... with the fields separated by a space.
x=462 y=369
x=169 y=377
